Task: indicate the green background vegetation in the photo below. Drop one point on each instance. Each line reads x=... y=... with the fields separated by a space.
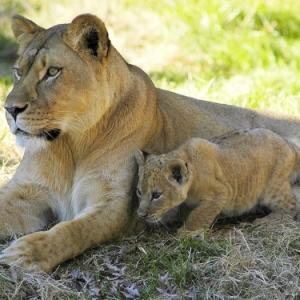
x=244 y=53
x=238 y=52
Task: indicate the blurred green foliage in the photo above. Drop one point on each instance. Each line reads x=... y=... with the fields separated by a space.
x=216 y=41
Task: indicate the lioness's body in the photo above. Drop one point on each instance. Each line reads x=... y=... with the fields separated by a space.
x=81 y=111
x=227 y=177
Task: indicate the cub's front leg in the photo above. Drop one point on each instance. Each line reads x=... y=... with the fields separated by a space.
x=202 y=217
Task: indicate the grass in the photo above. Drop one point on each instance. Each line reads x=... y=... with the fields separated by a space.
x=237 y=52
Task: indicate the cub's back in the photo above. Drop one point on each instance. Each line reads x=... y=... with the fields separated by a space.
x=260 y=142
x=255 y=157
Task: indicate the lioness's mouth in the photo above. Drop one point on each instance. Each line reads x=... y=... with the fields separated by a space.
x=48 y=135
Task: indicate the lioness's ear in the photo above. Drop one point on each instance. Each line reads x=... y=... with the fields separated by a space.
x=24 y=30
x=140 y=157
x=87 y=34
x=176 y=170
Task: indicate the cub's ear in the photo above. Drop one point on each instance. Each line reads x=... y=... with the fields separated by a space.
x=87 y=35
x=176 y=170
x=24 y=30
x=141 y=157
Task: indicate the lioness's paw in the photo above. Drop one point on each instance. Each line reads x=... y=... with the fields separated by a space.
x=28 y=253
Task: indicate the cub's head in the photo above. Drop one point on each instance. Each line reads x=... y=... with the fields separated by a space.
x=163 y=184
x=60 y=79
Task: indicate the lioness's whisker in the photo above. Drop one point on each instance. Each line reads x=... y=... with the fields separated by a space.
x=71 y=125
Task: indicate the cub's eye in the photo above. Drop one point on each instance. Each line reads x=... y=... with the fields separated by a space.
x=52 y=73
x=138 y=192
x=156 y=196
x=17 y=73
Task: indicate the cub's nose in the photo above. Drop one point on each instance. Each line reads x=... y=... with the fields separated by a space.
x=15 y=110
x=142 y=214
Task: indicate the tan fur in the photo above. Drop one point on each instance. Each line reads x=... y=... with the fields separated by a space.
x=226 y=176
x=82 y=114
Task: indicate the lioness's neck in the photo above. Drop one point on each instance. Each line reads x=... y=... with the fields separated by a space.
x=132 y=110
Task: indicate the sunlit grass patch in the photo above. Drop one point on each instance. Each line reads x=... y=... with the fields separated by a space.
x=220 y=38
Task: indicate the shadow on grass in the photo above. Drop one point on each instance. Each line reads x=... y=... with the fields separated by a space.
x=8 y=55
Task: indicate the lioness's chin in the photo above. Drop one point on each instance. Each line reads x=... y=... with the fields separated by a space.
x=32 y=143
x=36 y=142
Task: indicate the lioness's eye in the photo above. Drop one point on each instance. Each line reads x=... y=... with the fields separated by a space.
x=17 y=73
x=156 y=196
x=138 y=192
x=52 y=71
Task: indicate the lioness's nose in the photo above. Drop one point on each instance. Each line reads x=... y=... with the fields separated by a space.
x=15 y=110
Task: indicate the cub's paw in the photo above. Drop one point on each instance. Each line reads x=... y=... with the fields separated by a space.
x=28 y=253
x=196 y=234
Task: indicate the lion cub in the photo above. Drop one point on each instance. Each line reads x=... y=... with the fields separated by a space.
x=226 y=176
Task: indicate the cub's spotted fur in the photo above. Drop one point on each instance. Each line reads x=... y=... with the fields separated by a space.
x=227 y=176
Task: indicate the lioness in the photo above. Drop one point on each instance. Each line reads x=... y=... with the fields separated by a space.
x=227 y=177
x=81 y=111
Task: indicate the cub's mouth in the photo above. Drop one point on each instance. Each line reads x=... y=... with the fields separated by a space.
x=47 y=135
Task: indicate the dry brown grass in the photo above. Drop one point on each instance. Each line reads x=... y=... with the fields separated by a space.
x=253 y=263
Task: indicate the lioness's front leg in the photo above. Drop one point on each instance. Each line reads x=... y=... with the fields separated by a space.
x=24 y=208
x=42 y=251
x=102 y=214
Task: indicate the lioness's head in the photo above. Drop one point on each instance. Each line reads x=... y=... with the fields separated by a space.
x=60 y=79
x=163 y=184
